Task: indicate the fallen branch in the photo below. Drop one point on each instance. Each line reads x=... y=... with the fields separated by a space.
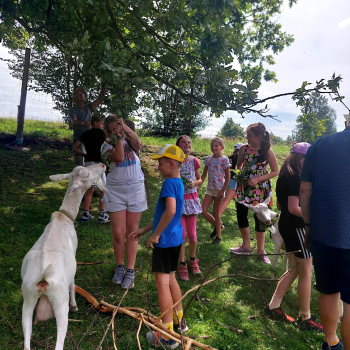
x=93 y=263
x=157 y=326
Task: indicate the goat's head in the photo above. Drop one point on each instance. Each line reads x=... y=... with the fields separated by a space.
x=262 y=211
x=83 y=177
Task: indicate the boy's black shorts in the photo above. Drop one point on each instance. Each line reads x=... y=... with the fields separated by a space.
x=165 y=260
x=332 y=269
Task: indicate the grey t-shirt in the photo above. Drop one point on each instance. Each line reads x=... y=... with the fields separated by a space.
x=81 y=114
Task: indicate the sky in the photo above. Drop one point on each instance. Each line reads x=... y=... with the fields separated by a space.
x=321 y=29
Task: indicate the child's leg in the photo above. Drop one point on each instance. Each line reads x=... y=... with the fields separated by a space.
x=205 y=206
x=192 y=234
x=132 y=224
x=118 y=223
x=243 y=223
x=88 y=196
x=184 y=230
x=304 y=286
x=260 y=241
x=216 y=213
x=285 y=283
x=228 y=196
x=165 y=299
x=102 y=205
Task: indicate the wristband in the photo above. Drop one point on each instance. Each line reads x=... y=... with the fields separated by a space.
x=306 y=225
x=119 y=137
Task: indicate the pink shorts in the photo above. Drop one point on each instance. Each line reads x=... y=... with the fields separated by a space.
x=189 y=223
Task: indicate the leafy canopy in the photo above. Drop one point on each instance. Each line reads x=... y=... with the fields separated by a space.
x=208 y=51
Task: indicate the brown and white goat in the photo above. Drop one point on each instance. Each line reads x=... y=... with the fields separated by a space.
x=266 y=216
x=48 y=269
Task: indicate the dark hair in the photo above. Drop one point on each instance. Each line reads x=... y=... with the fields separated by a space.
x=96 y=118
x=292 y=165
x=110 y=119
x=181 y=137
x=258 y=129
x=130 y=124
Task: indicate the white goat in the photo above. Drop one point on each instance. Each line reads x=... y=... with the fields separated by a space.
x=265 y=215
x=49 y=267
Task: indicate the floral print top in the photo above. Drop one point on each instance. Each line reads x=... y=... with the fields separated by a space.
x=248 y=194
x=216 y=171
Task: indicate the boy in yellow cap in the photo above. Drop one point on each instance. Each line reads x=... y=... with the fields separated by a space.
x=166 y=241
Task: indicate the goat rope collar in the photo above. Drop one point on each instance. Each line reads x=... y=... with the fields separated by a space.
x=67 y=214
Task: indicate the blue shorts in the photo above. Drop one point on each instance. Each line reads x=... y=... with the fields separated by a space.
x=232 y=185
x=332 y=269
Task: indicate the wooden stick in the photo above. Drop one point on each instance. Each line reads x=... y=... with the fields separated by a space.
x=188 y=344
x=89 y=298
x=114 y=345
x=92 y=263
x=159 y=327
x=137 y=335
x=210 y=281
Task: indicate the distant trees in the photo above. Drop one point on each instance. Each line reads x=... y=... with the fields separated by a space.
x=317 y=119
x=231 y=130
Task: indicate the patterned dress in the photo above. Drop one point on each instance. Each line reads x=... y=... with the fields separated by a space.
x=248 y=194
x=192 y=205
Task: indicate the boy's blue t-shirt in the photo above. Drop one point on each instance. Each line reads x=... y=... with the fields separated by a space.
x=172 y=235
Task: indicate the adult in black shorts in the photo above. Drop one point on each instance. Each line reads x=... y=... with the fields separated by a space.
x=292 y=229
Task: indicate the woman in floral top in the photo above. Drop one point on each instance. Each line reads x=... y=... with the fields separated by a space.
x=254 y=156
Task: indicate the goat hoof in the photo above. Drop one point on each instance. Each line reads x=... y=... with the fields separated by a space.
x=73 y=308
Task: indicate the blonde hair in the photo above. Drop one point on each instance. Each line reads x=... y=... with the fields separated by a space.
x=219 y=141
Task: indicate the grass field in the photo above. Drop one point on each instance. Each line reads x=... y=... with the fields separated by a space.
x=28 y=197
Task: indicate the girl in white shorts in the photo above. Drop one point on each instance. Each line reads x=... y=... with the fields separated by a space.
x=125 y=198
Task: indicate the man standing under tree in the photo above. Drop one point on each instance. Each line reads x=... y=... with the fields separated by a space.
x=79 y=116
x=325 y=206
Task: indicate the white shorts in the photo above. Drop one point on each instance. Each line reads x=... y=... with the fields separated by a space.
x=129 y=196
x=103 y=176
x=211 y=192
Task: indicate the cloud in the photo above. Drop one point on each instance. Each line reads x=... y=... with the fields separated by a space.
x=344 y=23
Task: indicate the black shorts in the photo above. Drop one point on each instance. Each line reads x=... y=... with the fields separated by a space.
x=165 y=260
x=242 y=218
x=332 y=269
x=294 y=240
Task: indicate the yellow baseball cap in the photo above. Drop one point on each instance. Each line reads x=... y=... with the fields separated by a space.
x=170 y=151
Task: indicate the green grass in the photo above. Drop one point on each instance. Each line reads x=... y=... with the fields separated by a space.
x=28 y=197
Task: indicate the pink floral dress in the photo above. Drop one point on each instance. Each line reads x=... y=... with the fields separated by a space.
x=192 y=205
x=248 y=194
x=216 y=171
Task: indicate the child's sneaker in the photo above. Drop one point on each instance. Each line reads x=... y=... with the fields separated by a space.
x=194 y=267
x=128 y=281
x=277 y=314
x=86 y=217
x=339 y=346
x=103 y=219
x=183 y=273
x=157 y=340
x=309 y=324
x=119 y=274
x=216 y=240
x=264 y=258
x=213 y=234
x=241 y=250
x=184 y=327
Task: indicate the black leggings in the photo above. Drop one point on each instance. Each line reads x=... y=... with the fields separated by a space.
x=242 y=218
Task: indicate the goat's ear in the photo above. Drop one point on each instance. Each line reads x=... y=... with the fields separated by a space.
x=59 y=177
x=248 y=205
x=267 y=200
x=75 y=186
